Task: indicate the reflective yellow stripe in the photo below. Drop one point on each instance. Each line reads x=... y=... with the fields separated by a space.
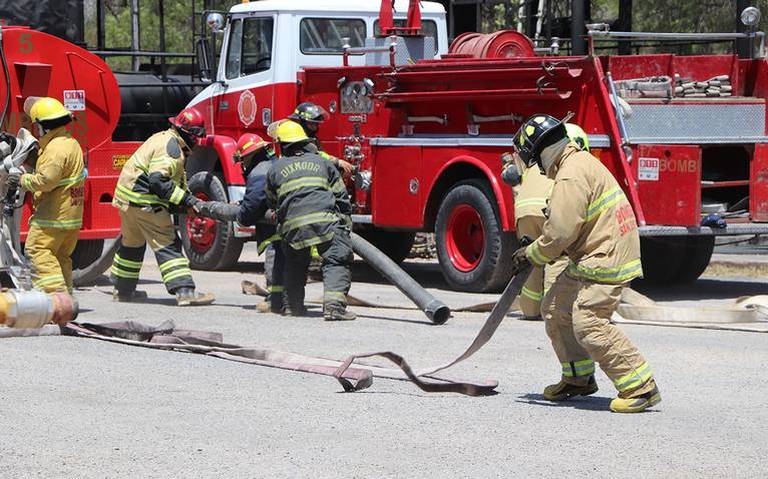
x=536 y=256
x=121 y=273
x=177 y=195
x=532 y=202
x=73 y=179
x=299 y=183
x=139 y=198
x=312 y=241
x=25 y=179
x=275 y=289
x=126 y=263
x=326 y=156
x=531 y=294
x=161 y=161
x=61 y=224
x=173 y=262
x=308 y=219
x=263 y=245
x=635 y=379
x=585 y=367
x=48 y=280
x=177 y=274
x=620 y=274
x=603 y=202
x=334 y=295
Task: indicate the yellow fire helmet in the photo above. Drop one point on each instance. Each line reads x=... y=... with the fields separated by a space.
x=577 y=135
x=287 y=131
x=45 y=109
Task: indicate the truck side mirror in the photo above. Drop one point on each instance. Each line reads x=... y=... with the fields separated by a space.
x=215 y=22
x=204 y=60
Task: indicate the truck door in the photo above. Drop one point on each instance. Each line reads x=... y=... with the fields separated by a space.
x=245 y=102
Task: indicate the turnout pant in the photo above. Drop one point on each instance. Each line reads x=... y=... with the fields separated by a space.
x=274 y=268
x=577 y=317
x=337 y=277
x=50 y=252
x=540 y=279
x=138 y=227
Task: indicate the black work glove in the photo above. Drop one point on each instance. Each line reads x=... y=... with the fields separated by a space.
x=520 y=259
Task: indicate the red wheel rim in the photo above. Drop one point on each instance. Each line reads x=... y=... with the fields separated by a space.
x=201 y=231
x=465 y=238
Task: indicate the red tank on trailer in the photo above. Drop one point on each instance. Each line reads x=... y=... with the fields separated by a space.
x=39 y=64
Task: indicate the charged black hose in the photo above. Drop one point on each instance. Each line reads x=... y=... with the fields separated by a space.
x=437 y=311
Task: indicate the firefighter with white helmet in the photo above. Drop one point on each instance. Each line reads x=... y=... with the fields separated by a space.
x=592 y=222
x=255 y=156
x=313 y=209
x=152 y=186
x=531 y=191
x=310 y=116
x=57 y=187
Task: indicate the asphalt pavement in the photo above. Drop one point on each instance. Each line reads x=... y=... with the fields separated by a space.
x=74 y=407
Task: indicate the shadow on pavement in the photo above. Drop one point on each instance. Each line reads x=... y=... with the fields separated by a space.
x=586 y=403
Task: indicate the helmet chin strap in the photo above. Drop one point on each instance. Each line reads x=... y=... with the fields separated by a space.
x=552 y=153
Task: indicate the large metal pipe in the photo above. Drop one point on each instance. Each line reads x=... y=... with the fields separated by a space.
x=437 y=311
x=578 y=27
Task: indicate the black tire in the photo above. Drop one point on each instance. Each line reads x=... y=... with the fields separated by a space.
x=222 y=250
x=86 y=252
x=662 y=258
x=489 y=269
x=697 y=255
x=395 y=244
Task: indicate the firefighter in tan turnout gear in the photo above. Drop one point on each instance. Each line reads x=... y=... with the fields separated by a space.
x=313 y=208
x=152 y=186
x=532 y=189
x=57 y=187
x=591 y=221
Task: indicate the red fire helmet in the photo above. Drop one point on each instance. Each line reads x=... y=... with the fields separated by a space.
x=190 y=121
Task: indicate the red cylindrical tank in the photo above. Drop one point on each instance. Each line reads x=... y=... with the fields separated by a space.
x=501 y=44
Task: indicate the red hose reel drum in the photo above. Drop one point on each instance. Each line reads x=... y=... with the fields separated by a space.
x=501 y=44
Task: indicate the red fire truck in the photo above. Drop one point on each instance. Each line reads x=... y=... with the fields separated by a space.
x=425 y=125
x=426 y=128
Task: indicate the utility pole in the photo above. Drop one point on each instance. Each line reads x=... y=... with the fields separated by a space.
x=578 y=28
x=742 y=45
x=135 y=45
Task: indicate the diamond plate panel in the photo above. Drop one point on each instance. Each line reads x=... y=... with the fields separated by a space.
x=408 y=50
x=696 y=124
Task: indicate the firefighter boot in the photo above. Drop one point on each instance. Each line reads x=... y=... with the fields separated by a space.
x=638 y=403
x=563 y=390
x=189 y=297
x=128 y=296
x=337 y=313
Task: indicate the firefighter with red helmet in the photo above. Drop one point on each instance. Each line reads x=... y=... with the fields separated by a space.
x=310 y=116
x=151 y=187
x=57 y=187
x=590 y=220
x=255 y=157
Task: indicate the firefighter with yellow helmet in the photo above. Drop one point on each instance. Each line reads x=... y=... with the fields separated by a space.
x=57 y=188
x=313 y=209
x=531 y=191
x=590 y=220
x=151 y=187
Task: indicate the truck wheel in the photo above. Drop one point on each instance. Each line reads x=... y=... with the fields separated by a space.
x=662 y=258
x=473 y=250
x=209 y=244
x=395 y=244
x=86 y=252
x=697 y=254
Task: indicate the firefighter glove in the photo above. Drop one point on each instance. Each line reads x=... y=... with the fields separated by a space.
x=14 y=177
x=519 y=259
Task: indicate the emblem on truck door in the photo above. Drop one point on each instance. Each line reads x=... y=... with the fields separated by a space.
x=247 y=108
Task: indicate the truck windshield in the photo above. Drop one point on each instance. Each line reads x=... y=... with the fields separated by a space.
x=250 y=46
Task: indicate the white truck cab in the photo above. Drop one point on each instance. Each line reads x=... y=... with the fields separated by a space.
x=265 y=43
